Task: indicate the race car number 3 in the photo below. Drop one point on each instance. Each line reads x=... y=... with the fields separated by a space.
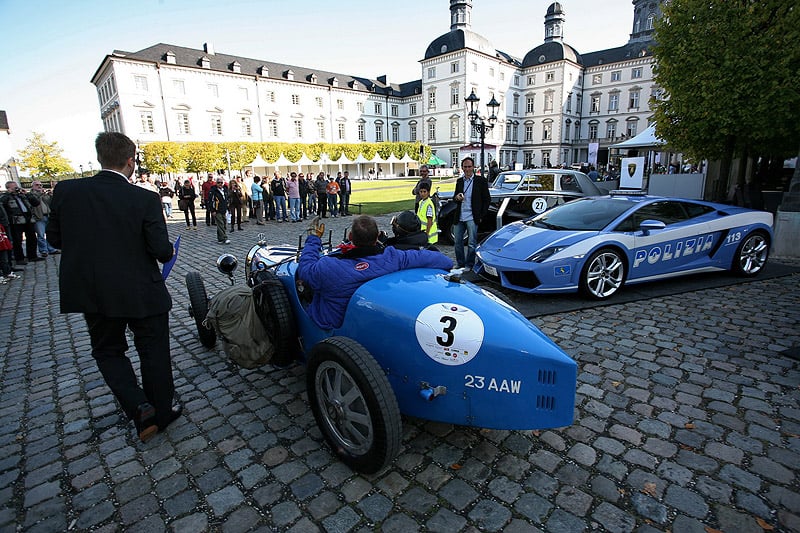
x=449 y=334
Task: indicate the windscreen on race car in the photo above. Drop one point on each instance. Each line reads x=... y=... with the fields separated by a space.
x=590 y=214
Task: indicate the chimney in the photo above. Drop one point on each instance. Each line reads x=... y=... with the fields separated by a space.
x=208 y=48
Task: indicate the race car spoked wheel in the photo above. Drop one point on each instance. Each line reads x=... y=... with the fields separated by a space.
x=275 y=312
x=751 y=256
x=603 y=274
x=198 y=308
x=354 y=404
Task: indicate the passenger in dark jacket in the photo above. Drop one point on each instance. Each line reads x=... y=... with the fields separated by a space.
x=334 y=278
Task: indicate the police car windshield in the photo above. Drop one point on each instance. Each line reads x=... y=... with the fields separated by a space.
x=590 y=214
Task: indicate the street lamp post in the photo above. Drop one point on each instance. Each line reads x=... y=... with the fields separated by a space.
x=90 y=167
x=482 y=124
x=81 y=170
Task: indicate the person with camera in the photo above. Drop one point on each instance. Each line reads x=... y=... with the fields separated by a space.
x=41 y=215
x=19 y=208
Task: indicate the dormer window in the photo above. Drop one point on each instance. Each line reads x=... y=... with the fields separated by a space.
x=236 y=67
x=355 y=84
x=170 y=57
x=312 y=78
x=263 y=71
x=288 y=74
x=205 y=62
x=334 y=82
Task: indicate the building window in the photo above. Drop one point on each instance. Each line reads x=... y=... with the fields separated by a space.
x=616 y=75
x=341 y=128
x=508 y=131
x=432 y=130
x=491 y=72
x=362 y=135
x=592 y=132
x=318 y=101
x=633 y=102
x=566 y=131
x=613 y=101
x=548 y=102
x=412 y=133
x=528 y=132
x=650 y=22
x=529 y=104
x=579 y=102
x=611 y=130
x=431 y=72
x=432 y=99
x=298 y=129
x=546 y=158
x=179 y=86
x=296 y=99
x=516 y=81
x=454 y=67
x=395 y=110
x=547 y=131
x=244 y=93
x=597 y=79
x=595 y=106
x=454 y=129
x=569 y=103
x=514 y=132
x=272 y=127
x=412 y=109
x=550 y=76
x=379 y=132
x=455 y=99
x=515 y=105
x=147 y=121
x=213 y=90
x=216 y=125
x=270 y=96
x=636 y=73
x=395 y=133
x=378 y=108
x=360 y=107
x=141 y=83
x=320 y=129
x=247 y=130
x=527 y=158
x=340 y=104
x=631 y=126
x=531 y=80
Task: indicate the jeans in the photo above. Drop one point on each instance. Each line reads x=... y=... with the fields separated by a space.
x=332 y=201
x=44 y=246
x=167 y=208
x=280 y=208
x=344 y=203
x=258 y=209
x=458 y=235
x=294 y=209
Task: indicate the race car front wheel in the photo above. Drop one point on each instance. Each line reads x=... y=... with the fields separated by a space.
x=751 y=256
x=603 y=274
x=354 y=404
x=275 y=313
x=198 y=308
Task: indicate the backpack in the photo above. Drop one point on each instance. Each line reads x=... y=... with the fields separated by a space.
x=233 y=316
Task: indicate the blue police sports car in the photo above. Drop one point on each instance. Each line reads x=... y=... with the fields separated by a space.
x=596 y=245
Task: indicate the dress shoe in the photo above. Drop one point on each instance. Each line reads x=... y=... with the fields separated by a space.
x=174 y=414
x=44 y=255
x=145 y=422
x=36 y=259
x=55 y=252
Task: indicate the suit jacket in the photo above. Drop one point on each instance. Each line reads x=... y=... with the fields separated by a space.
x=112 y=235
x=480 y=198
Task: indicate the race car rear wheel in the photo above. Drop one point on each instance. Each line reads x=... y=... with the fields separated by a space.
x=198 y=308
x=354 y=404
x=275 y=312
x=752 y=254
x=603 y=274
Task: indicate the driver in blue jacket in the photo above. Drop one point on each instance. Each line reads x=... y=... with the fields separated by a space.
x=334 y=278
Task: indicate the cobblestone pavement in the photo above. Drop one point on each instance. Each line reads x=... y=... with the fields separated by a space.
x=687 y=418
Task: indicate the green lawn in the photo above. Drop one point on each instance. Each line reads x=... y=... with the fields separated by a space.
x=379 y=197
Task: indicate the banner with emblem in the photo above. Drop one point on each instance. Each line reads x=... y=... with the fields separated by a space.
x=631 y=173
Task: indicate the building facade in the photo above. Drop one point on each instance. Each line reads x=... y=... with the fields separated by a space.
x=556 y=105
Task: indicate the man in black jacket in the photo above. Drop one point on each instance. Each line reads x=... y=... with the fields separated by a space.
x=218 y=202
x=19 y=208
x=113 y=235
x=472 y=195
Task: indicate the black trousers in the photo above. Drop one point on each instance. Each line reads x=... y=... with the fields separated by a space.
x=186 y=212
x=31 y=244
x=322 y=204
x=151 y=338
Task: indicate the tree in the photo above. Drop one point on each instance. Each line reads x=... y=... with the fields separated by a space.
x=727 y=71
x=44 y=159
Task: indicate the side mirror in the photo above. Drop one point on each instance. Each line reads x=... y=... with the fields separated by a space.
x=650 y=225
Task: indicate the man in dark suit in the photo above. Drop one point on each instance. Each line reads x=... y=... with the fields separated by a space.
x=472 y=195
x=112 y=235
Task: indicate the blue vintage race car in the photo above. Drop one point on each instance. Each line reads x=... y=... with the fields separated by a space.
x=596 y=245
x=419 y=342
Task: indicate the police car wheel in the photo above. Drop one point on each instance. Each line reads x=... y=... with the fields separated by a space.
x=603 y=274
x=198 y=301
x=354 y=404
x=752 y=254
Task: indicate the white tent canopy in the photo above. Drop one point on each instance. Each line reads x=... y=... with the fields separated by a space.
x=258 y=162
x=281 y=162
x=646 y=139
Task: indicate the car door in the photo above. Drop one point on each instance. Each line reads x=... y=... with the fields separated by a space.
x=684 y=243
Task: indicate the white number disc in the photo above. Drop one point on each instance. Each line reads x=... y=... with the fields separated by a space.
x=448 y=333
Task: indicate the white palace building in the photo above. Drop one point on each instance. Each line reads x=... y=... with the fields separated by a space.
x=554 y=101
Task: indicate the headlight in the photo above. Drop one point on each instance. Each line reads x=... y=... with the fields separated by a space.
x=545 y=253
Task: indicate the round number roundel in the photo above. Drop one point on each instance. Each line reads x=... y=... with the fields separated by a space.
x=539 y=205
x=449 y=334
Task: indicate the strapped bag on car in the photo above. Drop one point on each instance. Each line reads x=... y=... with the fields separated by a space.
x=233 y=316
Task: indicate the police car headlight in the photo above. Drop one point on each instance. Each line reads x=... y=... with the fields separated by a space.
x=545 y=253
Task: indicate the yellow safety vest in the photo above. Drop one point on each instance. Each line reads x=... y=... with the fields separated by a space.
x=422 y=214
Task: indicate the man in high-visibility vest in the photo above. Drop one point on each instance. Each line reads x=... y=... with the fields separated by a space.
x=427 y=213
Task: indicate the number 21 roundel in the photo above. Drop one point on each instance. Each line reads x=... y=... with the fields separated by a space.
x=450 y=334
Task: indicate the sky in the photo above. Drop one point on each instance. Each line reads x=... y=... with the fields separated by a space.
x=52 y=48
